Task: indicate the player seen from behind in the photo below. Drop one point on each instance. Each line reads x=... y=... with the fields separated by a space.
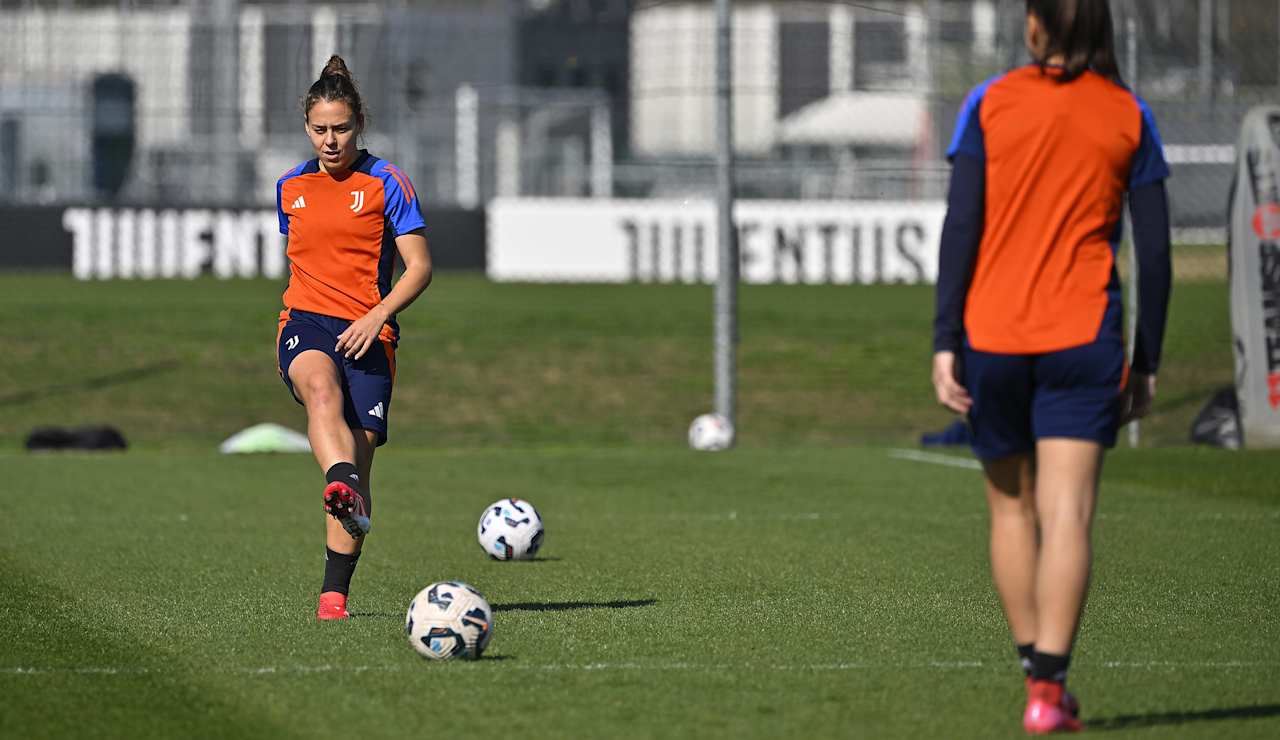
x=338 y=333
x=1029 y=335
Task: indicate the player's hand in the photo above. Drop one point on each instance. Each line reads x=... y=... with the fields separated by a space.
x=1136 y=398
x=947 y=384
x=363 y=332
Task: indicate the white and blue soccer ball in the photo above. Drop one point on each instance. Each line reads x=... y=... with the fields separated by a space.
x=448 y=620
x=510 y=529
x=710 y=433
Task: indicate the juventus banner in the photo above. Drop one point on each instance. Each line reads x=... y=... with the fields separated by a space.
x=675 y=241
x=1255 y=276
x=121 y=242
x=145 y=243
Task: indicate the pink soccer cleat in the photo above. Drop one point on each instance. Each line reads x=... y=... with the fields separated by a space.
x=1047 y=710
x=347 y=505
x=1069 y=701
x=333 y=605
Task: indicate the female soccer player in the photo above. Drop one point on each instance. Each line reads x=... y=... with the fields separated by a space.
x=338 y=333
x=1028 y=335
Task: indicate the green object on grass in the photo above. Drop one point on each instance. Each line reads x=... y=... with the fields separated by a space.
x=265 y=438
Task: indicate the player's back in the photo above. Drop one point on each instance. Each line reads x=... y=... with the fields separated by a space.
x=1059 y=157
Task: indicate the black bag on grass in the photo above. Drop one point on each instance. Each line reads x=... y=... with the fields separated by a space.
x=80 y=438
x=1218 y=423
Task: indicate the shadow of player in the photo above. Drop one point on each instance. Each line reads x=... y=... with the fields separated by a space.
x=1135 y=721
x=564 y=606
x=532 y=606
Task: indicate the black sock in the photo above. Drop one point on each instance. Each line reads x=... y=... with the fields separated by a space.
x=1049 y=667
x=347 y=473
x=337 y=571
x=1025 y=655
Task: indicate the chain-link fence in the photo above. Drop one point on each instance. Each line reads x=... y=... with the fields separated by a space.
x=198 y=103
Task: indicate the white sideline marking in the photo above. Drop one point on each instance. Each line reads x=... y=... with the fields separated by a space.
x=719 y=667
x=936 y=459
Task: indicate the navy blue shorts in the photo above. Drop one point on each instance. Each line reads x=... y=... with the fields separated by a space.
x=1018 y=399
x=366 y=382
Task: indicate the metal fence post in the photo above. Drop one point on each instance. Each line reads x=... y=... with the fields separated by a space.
x=467 y=146
x=726 y=294
x=1131 y=290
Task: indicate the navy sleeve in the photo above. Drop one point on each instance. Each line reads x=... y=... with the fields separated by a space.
x=1149 y=164
x=961 y=235
x=1149 y=209
x=284 y=220
x=968 y=138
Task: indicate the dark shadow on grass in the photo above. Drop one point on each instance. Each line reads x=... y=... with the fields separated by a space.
x=1190 y=398
x=564 y=606
x=92 y=383
x=531 y=606
x=1135 y=721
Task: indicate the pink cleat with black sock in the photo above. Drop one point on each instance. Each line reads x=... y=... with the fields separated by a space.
x=1047 y=709
x=1069 y=702
x=333 y=605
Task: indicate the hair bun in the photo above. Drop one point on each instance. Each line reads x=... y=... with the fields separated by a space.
x=335 y=67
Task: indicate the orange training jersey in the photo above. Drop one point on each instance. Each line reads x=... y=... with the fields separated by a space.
x=340 y=265
x=1059 y=158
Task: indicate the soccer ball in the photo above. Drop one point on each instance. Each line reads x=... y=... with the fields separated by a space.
x=510 y=529
x=711 y=432
x=449 y=620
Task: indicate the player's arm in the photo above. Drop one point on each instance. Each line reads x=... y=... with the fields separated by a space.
x=417 y=271
x=1149 y=210
x=363 y=332
x=961 y=235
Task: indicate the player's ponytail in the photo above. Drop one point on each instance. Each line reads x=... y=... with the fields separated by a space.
x=336 y=83
x=1082 y=32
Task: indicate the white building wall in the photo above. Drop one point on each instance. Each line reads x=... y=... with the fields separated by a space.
x=66 y=48
x=673 y=78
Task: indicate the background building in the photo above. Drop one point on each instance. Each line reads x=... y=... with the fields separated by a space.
x=574 y=97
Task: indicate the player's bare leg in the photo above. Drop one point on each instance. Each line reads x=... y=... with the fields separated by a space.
x=366 y=441
x=1014 y=541
x=315 y=380
x=1066 y=495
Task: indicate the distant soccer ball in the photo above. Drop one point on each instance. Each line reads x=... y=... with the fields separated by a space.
x=449 y=620
x=510 y=529
x=711 y=432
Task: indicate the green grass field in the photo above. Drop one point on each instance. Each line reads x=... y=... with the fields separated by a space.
x=808 y=584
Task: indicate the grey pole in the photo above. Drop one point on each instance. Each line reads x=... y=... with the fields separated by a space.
x=726 y=300
x=1131 y=290
x=466 y=143
x=224 y=25
x=1206 y=48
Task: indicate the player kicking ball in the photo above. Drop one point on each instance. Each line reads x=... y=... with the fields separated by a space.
x=338 y=333
x=1029 y=334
